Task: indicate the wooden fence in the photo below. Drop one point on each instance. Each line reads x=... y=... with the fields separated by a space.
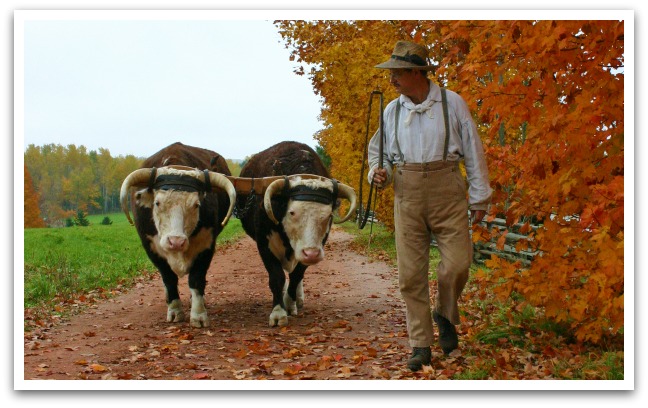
x=483 y=250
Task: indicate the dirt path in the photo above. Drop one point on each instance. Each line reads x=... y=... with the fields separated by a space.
x=352 y=327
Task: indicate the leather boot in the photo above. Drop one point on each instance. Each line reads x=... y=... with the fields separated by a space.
x=447 y=333
x=420 y=356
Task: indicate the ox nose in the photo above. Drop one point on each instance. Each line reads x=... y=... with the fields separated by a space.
x=311 y=255
x=176 y=243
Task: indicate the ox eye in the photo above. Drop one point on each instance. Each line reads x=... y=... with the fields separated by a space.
x=292 y=213
x=157 y=203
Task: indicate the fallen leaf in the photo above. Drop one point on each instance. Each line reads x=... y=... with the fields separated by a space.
x=201 y=376
x=186 y=336
x=293 y=369
x=341 y=324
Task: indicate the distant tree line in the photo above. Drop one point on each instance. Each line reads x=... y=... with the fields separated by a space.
x=69 y=179
x=61 y=181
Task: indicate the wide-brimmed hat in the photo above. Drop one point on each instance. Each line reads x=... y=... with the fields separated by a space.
x=407 y=55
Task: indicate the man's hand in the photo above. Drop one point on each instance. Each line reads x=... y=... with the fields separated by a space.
x=477 y=216
x=379 y=177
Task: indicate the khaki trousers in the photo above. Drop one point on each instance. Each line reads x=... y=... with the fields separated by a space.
x=431 y=198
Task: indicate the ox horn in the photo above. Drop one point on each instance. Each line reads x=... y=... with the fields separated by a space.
x=219 y=180
x=138 y=178
x=272 y=189
x=348 y=193
x=276 y=186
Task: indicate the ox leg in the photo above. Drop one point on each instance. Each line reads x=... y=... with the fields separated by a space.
x=277 y=278
x=197 y=284
x=294 y=296
x=174 y=307
x=199 y=316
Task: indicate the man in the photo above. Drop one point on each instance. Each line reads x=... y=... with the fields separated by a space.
x=429 y=194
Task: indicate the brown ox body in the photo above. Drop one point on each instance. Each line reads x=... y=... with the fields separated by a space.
x=292 y=223
x=180 y=204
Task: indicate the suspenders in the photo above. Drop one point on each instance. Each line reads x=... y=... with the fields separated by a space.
x=444 y=103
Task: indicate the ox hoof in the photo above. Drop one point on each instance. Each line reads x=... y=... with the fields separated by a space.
x=198 y=311
x=278 y=317
x=199 y=320
x=174 y=311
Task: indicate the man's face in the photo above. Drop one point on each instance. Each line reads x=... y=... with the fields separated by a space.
x=404 y=80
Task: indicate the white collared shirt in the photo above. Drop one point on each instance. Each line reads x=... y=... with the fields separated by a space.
x=423 y=141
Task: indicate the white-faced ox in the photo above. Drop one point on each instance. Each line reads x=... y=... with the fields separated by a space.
x=290 y=229
x=179 y=211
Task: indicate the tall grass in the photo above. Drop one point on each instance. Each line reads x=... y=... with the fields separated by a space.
x=63 y=262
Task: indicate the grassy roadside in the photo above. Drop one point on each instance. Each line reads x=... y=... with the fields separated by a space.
x=63 y=264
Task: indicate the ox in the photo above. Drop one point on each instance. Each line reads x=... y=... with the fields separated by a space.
x=292 y=223
x=179 y=210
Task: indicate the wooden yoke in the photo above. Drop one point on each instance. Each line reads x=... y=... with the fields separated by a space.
x=245 y=185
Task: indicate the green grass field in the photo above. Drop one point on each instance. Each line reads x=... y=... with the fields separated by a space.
x=64 y=262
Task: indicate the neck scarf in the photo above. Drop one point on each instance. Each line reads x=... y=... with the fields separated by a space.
x=425 y=107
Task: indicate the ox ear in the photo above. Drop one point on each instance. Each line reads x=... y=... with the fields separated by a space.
x=144 y=198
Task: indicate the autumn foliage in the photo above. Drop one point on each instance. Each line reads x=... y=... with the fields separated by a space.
x=32 y=215
x=69 y=179
x=548 y=99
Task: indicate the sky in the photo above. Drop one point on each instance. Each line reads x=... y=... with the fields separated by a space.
x=134 y=82
x=134 y=87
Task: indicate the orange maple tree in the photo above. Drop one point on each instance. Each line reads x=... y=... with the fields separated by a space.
x=32 y=214
x=548 y=99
